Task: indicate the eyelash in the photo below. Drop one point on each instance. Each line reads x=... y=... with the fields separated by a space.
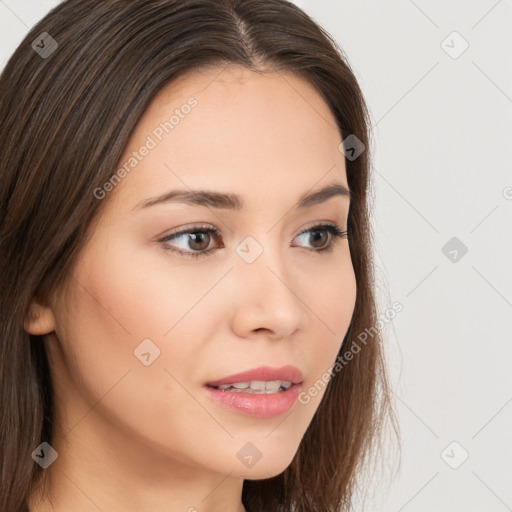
x=333 y=229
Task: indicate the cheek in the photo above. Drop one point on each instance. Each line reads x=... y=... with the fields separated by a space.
x=135 y=300
x=147 y=292
x=332 y=304
x=110 y=311
x=123 y=298
x=330 y=296
x=96 y=339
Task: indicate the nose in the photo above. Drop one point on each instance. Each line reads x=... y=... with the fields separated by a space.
x=267 y=298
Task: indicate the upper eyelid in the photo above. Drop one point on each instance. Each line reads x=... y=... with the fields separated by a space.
x=192 y=229
x=320 y=224
x=217 y=231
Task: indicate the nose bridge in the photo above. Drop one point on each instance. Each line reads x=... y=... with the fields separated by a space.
x=263 y=288
x=261 y=261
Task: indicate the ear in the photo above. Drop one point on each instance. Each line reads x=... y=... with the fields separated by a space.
x=40 y=319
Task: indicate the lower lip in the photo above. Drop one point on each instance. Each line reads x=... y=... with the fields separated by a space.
x=256 y=405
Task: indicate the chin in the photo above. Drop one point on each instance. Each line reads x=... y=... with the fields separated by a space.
x=273 y=461
x=261 y=471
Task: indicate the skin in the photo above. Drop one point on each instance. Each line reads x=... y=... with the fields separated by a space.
x=142 y=438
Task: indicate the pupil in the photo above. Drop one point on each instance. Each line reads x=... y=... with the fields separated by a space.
x=198 y=238
x=323 y=234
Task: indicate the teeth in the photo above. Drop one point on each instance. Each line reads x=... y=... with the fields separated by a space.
x=271 y=385
x=240 y=385
x=256 y=386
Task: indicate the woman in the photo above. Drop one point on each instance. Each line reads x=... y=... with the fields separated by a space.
x=185 y=262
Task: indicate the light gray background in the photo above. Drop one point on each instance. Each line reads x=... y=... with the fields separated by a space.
x=442 y=129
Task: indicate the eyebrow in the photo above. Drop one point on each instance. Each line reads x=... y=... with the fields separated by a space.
x=227 y=201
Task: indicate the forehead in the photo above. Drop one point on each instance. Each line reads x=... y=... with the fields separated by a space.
x=232 y=128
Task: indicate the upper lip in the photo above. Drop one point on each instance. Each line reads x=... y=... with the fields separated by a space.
x=266 y=373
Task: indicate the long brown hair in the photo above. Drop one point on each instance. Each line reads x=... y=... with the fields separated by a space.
x=66 y=116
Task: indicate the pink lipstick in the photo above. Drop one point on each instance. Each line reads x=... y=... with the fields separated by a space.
x=263 y=392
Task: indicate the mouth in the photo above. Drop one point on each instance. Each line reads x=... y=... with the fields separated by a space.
x=263 y=392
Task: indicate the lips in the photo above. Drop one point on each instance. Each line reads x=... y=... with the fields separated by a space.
x=254 y=401
x=263 y=373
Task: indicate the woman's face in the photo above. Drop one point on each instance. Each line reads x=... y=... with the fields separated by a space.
x=144 y=324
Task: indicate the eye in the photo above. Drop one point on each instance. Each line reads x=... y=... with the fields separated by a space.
x=323 y=236
x=195 y=240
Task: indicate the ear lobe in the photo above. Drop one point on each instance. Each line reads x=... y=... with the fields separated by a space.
x=39 y=320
